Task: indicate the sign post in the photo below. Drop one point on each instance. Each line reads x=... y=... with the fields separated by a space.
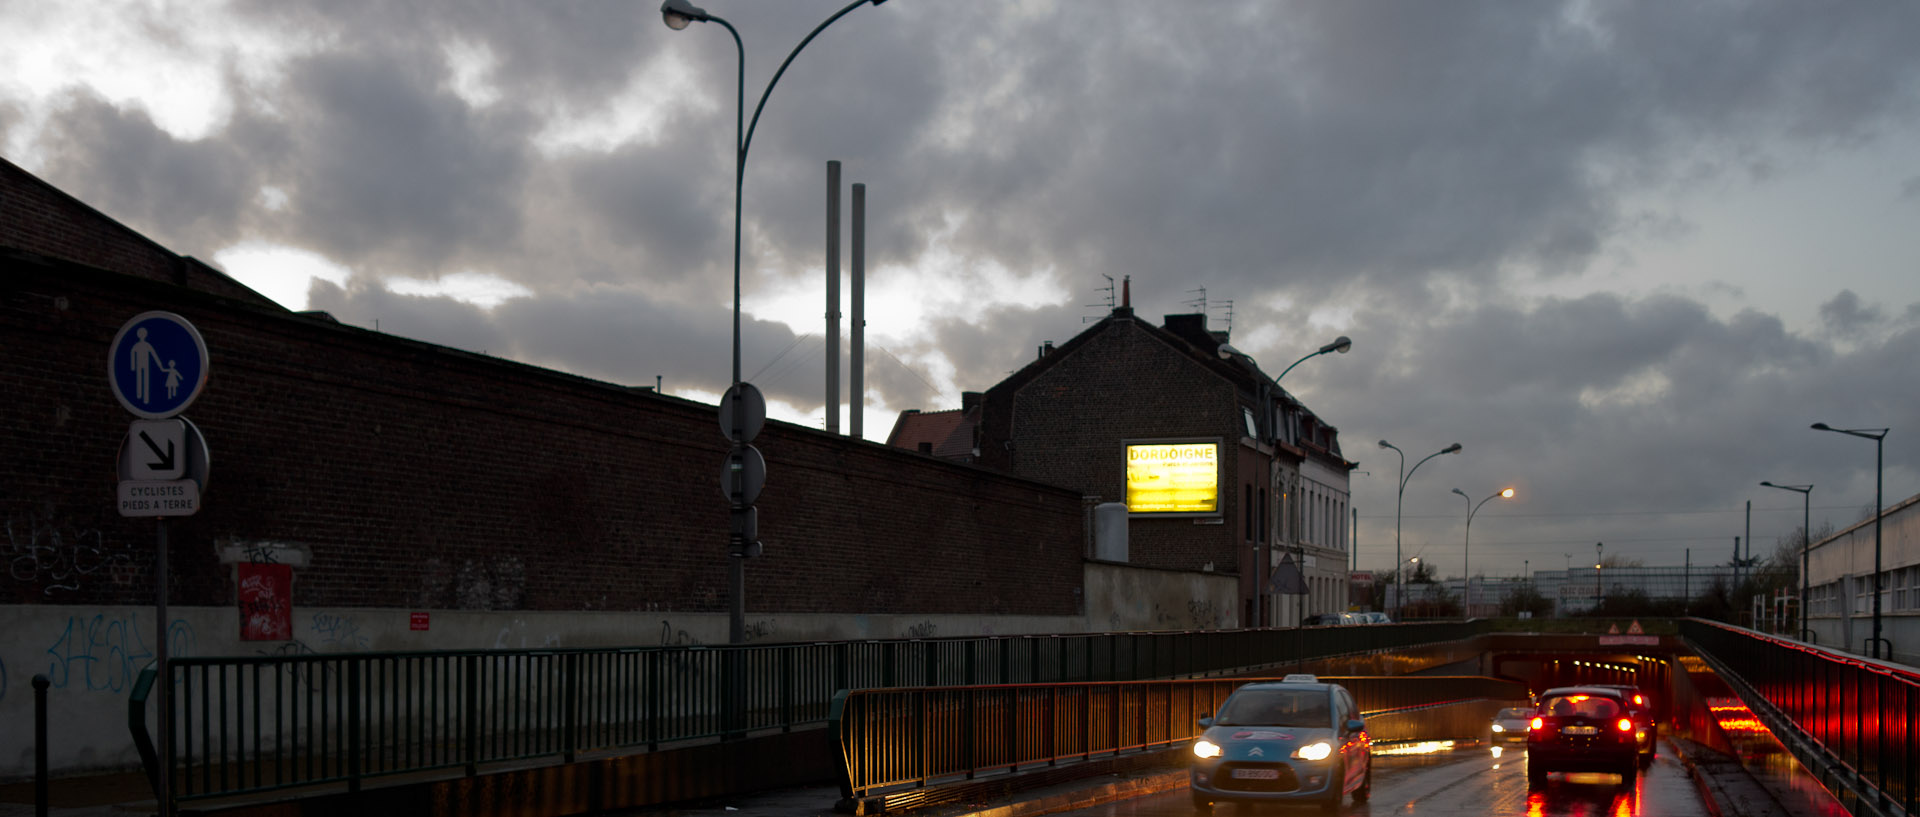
x=157 y=366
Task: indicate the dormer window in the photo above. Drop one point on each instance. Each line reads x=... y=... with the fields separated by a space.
x=1253 y=428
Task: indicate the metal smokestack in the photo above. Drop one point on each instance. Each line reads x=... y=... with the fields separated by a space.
x=856 y=368
x=833 y=297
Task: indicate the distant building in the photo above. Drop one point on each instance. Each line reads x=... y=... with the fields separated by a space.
x=1840 y=576
x=1221 y=469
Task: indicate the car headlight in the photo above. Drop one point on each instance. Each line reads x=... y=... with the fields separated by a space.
x=1499 y=728
x=1205 y=748
x=1314 y=751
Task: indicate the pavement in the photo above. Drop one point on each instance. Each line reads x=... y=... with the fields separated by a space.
x=1730 y=792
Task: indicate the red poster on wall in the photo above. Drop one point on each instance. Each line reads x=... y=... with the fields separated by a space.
x=266 y=602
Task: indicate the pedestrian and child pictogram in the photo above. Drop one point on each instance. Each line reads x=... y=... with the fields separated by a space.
x=158 y=365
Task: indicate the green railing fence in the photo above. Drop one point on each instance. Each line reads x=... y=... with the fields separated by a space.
x=263 y=723
x=899 y=742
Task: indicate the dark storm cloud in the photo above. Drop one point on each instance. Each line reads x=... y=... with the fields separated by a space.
x=1599 y=404
x=391 y=170
x=191 y=192
x=1845 y=316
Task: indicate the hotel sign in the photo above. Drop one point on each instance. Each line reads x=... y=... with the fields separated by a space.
x=1173 y=478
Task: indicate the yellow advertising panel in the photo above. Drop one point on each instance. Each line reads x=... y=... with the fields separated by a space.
x=1173 y=478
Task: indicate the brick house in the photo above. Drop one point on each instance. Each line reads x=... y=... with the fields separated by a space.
x=1088 y=413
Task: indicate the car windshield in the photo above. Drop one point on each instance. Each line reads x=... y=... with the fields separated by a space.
x=1581 y=706
x=1277 y=707
x=1514 y=714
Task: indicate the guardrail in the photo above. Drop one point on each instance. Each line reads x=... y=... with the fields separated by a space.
x=1829 y=705
x=264 y=723
x=897 y=743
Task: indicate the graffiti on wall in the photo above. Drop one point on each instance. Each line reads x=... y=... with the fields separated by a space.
x=106 y=653
x=516 y=635
x=64 y=557
x=340 y=630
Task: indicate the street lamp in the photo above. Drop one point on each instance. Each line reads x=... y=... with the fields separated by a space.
x=1598 y=547
x=1399 y=499
x=1466 y=546
x=1877 y=435
x=1806 y=546
x=1342 y=344
x=678 y=14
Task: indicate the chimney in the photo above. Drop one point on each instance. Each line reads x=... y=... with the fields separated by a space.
x=833 y=297
x=857 y=364
x=1046 y=348
x=969 y=400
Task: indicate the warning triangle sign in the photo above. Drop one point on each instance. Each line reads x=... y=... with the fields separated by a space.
x=1613 y=629
x=1634 y=629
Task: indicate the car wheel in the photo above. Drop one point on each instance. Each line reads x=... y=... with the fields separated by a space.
x=1646 y=760
x=1536 y=776
x=1202 y=805
x=1629 y=770
x=1338 y=782
x=1365 y=791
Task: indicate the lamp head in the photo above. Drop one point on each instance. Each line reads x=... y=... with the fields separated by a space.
x=1462 y=493
x=1822 y=427
x=1506 y=494
x=1342 y=344
x=1385 y=444
x=1450 y=449
x=679 y=14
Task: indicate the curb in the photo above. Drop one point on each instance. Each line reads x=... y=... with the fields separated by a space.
x=1083 y=798
x=1707 y=792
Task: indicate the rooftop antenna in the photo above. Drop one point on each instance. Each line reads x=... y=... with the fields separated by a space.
x=1228 y=304
x=1200 y=303
x=1107 y=289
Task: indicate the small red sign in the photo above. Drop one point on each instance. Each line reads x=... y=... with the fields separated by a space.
x=266 y=602
x=417 y=621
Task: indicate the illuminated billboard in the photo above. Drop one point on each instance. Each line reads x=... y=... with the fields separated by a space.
x=1173 y=478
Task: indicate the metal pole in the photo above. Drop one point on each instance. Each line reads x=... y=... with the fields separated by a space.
x=166 y=676
x=40 y=804
x=1806 y=551
x=1879 y=470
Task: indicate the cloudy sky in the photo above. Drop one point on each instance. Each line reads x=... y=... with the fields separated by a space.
x=1624 y=253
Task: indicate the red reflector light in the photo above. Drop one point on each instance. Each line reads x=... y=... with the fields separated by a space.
x=1625 y=725
x=1537 y=723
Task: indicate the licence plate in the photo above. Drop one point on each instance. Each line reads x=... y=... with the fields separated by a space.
x=1580 y=730
x=1256 y=774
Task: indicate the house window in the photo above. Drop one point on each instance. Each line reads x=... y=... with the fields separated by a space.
x=1253 y=428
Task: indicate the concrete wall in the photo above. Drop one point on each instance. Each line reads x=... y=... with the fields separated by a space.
x=1128 y=597
x=93 y=654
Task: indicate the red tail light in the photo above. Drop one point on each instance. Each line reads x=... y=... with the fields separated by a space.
x=1625 y=725
x=1639 y=701
x=1537 y=723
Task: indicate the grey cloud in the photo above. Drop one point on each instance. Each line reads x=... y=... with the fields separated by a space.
x=1845 y=316
x=185 y=194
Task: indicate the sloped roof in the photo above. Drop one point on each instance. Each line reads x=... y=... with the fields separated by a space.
x=950 y=433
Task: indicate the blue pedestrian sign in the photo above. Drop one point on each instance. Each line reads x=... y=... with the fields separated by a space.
x=158 y=365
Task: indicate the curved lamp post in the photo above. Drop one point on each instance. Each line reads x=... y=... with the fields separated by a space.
x=678 y=14
x=1877 y=435
x=1806 y=547
x=1342 y=344
x=1466 y=547
x=1406 y=473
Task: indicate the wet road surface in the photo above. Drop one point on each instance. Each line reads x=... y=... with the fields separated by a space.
x=1472 y=783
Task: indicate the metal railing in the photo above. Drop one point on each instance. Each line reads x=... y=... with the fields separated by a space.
x=902 y=739
x=263 y=723
x=1854 y=715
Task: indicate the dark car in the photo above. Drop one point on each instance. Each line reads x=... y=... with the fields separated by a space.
x=1641 y=706
x=1295 y=741
x=1582 y=729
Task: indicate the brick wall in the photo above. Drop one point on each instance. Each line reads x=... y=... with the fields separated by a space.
x=426 y=477
x=42 y=219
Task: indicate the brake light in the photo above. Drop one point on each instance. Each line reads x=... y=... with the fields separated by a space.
x=1639 y=701
x=1537 y=723
x=1625 y=725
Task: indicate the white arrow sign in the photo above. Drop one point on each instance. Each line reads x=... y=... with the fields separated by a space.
x=154 y=450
